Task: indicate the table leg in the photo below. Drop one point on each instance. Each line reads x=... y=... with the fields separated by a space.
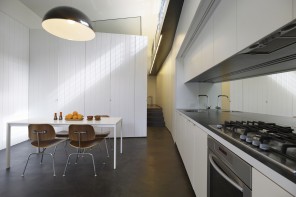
x=7 y=146
x=121 y=136
x=115 y=146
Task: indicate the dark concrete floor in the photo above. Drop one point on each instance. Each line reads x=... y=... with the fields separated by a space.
x=148 y=167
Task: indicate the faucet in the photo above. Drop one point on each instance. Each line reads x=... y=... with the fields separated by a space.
x=221 y=95
x=203 y=95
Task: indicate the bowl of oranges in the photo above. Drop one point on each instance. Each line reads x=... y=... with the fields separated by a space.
x=74 y=116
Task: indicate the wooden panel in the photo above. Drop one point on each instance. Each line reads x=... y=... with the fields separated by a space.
x=14 y=72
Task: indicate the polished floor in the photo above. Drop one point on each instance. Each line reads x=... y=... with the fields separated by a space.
x=149 y=167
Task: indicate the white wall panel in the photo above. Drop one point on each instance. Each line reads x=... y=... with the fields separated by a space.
x=14 y=72
x=272 y=94
x=43 y=82
x=140 y=92
x=97 y=93
x=236 y=95
x=94 y=78
x=71 y=76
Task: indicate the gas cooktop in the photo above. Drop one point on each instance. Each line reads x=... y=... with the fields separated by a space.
x=275 y=143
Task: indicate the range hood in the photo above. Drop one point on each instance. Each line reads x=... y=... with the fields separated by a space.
x=272 y=54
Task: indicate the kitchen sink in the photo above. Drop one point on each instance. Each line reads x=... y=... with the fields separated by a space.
x=230 y=111
x=195 y=110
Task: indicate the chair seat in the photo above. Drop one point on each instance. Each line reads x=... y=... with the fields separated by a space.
x=63 y=134
x=86 y=144
x=102 y=134
x=47 y=143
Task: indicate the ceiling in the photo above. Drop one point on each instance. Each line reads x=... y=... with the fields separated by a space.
x=98 y=9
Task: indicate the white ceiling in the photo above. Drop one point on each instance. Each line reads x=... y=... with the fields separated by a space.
x=99 y=9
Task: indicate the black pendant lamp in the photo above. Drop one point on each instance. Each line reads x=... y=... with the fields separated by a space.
x=68 y=23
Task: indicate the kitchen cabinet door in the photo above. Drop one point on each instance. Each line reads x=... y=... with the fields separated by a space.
x=224 y=29
x=98 y=86
x=189 y=131
x=193 y=60
x=200 y=162
x=263 y=186
x=200 y=56
x=140 y=79
x=294 y=9
x=256 y=19
x=122 y=81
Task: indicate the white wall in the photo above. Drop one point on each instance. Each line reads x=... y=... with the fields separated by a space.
x=19 y=12
x=14 y=72
x=104 y=76
x=166 y=93
x=272 y=94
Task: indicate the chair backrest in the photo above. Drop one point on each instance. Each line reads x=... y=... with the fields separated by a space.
x=41 y=132
x=84 y=132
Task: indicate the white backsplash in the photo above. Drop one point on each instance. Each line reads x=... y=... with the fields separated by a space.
x=272 y=94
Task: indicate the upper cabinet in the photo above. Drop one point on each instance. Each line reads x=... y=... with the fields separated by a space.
x=224 y=26
x=256 y=19
x=201 y=57
x=231 y=26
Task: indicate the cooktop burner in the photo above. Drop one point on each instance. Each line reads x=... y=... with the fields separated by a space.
x=274 y=142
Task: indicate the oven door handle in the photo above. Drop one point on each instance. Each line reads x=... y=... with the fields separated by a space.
x=223 y=174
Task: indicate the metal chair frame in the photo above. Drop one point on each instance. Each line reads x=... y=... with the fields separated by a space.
x=81 y=150
x=42 y=153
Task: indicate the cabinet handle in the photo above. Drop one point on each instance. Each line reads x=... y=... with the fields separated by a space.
x=223 y=174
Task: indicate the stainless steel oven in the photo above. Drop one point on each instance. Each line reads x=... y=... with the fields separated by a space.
x=228 y=174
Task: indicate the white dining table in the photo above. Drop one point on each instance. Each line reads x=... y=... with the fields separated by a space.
x=109 y=122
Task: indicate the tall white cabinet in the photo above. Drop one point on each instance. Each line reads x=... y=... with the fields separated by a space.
x=104 y=76
x=14 y=73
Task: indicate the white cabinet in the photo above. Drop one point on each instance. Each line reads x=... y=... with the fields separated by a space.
x=200 y=162
x=256 y=19
x=104 y=76
x=224 y=18
x=189 y=133
x=294 y=9
x=200 y=57
x=263 y=186
x=192 y=145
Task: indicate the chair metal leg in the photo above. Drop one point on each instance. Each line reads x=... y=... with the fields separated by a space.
x=77 y=156
x=78 y=151
x=27 y=163
x=52 y=156
x=93 y=163
x=42 y=152
x=67 y=164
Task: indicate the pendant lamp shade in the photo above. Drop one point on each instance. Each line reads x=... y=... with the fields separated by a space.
x=68 y=23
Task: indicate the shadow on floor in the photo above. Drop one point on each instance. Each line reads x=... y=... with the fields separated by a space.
x=148 y=167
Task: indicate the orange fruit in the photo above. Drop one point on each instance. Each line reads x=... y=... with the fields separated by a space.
x=75 y=117
x=75 y=113
x=79 y=116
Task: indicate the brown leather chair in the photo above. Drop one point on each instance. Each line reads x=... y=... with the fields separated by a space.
x=82 y=137
x=43 y=136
